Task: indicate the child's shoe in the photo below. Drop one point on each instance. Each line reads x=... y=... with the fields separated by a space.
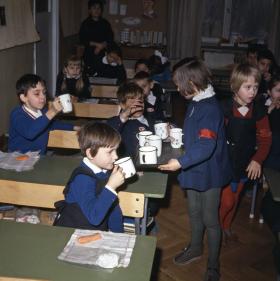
x=212 y=274
x=187 y=256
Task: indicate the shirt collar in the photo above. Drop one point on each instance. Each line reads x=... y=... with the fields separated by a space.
x=207 y=93
x=32 y=113
x=268 y=102
x=93 y=167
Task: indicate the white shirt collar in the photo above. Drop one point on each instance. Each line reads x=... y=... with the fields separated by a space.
x=268 y=102
x=207 y=93
x=105 y=61
x=32 y=113
x=93 y=167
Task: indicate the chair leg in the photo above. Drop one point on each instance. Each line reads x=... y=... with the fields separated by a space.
x=254 y=197
x=137 y=226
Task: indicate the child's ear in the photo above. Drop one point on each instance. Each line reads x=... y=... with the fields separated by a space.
x=22 y=98
x=88 y=154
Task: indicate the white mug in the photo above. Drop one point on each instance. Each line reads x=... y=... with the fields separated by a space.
x=141 y=136
x=127 y=166
x=148 y=155
x=176 y=137
x=161 y=129
x=154 y=140
x=66 y=103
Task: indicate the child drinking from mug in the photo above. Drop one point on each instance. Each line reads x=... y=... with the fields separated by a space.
x=131 y=119
x=71 y=80
x=204 y=168
x=91 y=200
x=248 y=137
x=31 y=122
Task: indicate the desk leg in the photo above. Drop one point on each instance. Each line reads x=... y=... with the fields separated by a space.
x=145 y=218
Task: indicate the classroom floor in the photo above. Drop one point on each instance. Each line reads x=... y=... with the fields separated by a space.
x=250 y=259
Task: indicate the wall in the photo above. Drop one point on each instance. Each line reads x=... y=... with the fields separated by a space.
x=14 y=63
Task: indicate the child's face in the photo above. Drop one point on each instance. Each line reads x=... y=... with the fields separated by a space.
x=142 y=67
x=135 y=105
x=247 y=91
x=105 y=157
x=35 y=98
x=113 y=58
x=264 y=65
x=275 y=92
x=95 y=11
x=252 y=59
x=73 y=69
x=146 y=85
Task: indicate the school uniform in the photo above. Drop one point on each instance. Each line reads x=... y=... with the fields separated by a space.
x=29 y=130
x=70 y=88
x=249 y=138
x=128 y=131
x=105 y=69
x=89 y=203
x=273 y=158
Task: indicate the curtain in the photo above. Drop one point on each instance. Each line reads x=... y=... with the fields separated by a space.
x=185 y=19
x=274 y=34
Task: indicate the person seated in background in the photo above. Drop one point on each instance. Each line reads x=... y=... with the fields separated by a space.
x=31 y=122
x=273 y=109
x=142 y=65
x=72 y=80
x=159 y=67
x=91 y=200
x=131 y=119
x=95 y=35
x=265 y=64
x=252 y=55
x=111 y=65
x=152 y=97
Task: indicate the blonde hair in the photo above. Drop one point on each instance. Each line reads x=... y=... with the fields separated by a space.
x=241 y=73
x=75 y=60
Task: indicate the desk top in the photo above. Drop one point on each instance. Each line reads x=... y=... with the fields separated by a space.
x=56 y=170
x=28 y=250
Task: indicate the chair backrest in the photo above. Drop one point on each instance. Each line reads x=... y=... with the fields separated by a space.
x=104 y=91
x=63 y=139
x=95 y=110
x=131 y=204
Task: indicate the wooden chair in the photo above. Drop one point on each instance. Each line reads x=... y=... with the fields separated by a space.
x=132 y=205
x=63 y=139
x=104 y=91
x=95 y=110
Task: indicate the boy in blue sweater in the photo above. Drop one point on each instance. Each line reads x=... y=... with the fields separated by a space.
x=91 y=201
x=31 y=122
x=131 y=119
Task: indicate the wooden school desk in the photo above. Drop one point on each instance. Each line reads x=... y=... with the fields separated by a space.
x=30 y=251
x=43 y=185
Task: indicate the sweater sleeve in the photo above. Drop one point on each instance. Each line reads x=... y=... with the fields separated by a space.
x=264 y=140
x=116 y=123
x=95 y=208
x=207 y=124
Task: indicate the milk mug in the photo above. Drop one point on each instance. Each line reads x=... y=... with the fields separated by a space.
x=148 y=155
x=161 y=129
x=66 y=103
x=154 y=140
x=141 y=136
x=176 y=137
x=127 y=166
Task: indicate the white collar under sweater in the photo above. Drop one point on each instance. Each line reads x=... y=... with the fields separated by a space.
x=207 y=93
x=93 y=167
x=32 y=113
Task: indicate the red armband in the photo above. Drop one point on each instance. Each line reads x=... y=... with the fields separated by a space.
x=208 y=134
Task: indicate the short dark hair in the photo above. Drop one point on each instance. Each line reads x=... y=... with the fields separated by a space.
x=27 y=81
x=142 y=61
x=114 y=48
x=192 y=74
x=129 y=90
x=141 y=75
x=96 y=2
x=94 y=135
x=266 y=54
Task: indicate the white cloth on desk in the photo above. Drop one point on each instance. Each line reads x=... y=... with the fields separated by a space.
x=117 y=248
x=8 y=160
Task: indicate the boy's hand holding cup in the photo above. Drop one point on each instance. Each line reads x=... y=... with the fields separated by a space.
x=116 y=178
x=54 y=108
